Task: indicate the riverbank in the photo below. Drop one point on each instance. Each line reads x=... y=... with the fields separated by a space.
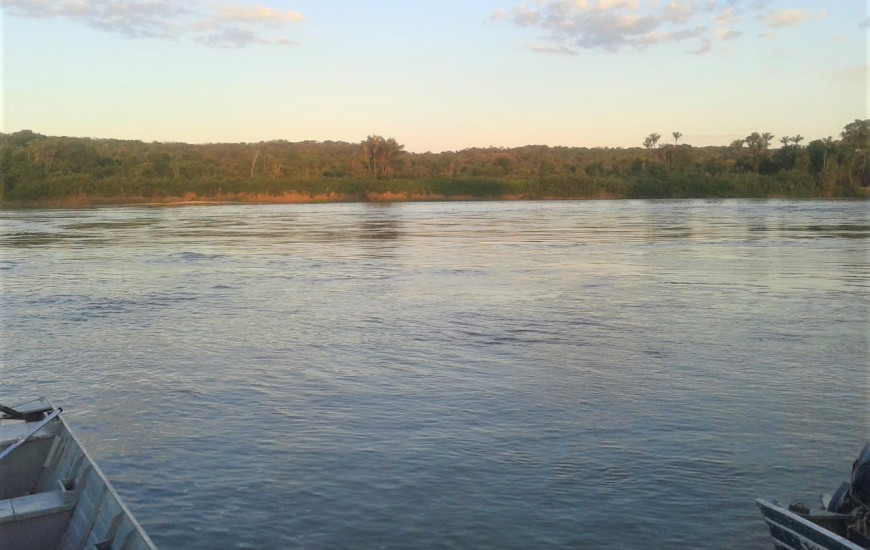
x=63 y=193
x=91 y=201
x=190 y=199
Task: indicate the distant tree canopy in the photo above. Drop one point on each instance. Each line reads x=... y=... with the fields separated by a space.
x=38 y=169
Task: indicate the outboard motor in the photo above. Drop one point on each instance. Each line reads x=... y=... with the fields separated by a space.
x=861 y=478
x=859 y=531
x=841 y=502
x=852 y=498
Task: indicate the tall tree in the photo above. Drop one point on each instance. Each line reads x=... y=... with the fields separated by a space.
x=856 y=142
x=829 y=143
x=378 y=154
x=758 y=145
x=650 y=144
x=390 y=150
x=857 y=134
x=254 y=158
x=370 y=147
x=677 y=136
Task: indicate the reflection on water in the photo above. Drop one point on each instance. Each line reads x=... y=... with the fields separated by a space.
x=451 y=375
x=27 y=240
x=380 y=230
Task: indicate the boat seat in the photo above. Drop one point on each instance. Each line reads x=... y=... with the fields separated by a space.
x=48 y=502
x=36 y=521
x=10 y=432
x=39 y=504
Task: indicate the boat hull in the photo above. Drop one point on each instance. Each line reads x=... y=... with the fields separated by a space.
x=790 y=531
x=54 y=497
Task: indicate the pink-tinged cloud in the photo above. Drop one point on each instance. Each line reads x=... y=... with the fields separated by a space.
x=611 y=25
x=728 y=35
x=788 y=18
x=198 y=20
x=260 y=14
x=567 y=26
x=681 y=11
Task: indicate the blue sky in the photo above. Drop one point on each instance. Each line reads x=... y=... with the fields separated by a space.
x=436 y=75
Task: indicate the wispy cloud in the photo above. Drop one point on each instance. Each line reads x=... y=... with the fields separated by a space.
x=705 y=46
x=226 y=25
x=258 y=14
x=232 y=37
x=728 y=16
x=555 y=49
x=788 y=18
x=725 y=34
x=570 y=26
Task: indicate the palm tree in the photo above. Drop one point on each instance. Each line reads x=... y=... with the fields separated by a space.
x=758 y=144
x=650 y=144
x=677 y=136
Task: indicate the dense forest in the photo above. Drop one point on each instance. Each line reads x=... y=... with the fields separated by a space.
x=43 y=170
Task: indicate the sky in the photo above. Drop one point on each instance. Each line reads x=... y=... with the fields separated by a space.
x=437 y=75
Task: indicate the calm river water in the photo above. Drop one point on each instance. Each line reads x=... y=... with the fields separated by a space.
x=476 y=375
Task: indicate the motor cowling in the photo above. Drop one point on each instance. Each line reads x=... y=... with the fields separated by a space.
x=861 y=478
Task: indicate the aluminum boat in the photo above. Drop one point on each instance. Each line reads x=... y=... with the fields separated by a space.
x=52 y=494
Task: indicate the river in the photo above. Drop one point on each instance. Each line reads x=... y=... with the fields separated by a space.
x=577 y=374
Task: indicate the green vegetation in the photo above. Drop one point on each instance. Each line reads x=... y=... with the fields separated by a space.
x=43 y=170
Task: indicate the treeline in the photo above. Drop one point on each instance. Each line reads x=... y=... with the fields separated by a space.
x=43 y=170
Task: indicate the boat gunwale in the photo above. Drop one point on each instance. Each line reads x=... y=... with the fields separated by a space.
x=764 y=504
